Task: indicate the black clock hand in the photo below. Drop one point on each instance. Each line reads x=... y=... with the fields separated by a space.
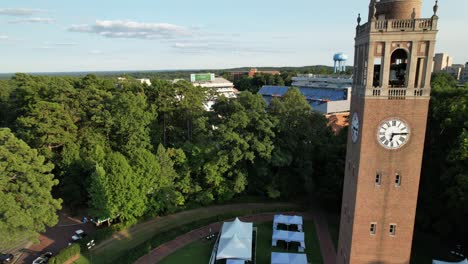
x=399 y=134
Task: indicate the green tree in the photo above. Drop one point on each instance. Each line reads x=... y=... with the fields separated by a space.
x=114 y=190
x=298 y=145
x=443 y=206
x=47 y=125
x=26 y=183
x=129 y=119
x=242 y=132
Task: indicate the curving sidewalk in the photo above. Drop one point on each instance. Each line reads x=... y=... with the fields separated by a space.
x=326 y=245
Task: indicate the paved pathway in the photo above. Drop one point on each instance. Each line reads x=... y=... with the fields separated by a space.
x=326 y=245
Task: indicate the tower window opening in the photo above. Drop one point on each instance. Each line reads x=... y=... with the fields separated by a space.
x=397 y=180
x=392 y=230
x=373 y=228
x=376 y=75
x=378 y=179
x=398 y=68
x=417 y=80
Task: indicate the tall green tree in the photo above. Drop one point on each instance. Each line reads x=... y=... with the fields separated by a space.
x=27 y=206
x=442 y=206
x=242 y=131
x=47 y=125
x=129 y=119
x=114 y=189
x=299 y=144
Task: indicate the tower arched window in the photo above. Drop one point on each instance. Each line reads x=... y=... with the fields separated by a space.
x=398 y=68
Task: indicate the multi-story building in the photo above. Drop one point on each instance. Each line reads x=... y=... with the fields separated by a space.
x=442 y=61
x=218 y=86
x=456 y=70
x=237 y=75
x=464 y=75
x=393 y=62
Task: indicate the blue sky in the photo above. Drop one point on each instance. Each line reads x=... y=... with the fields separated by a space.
x=92 y=35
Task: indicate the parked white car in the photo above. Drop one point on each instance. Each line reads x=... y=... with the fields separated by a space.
x=79 y=234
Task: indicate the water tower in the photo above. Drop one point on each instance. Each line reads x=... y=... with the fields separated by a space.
x=340 y=62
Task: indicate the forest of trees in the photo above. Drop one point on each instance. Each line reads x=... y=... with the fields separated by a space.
x=131 y=150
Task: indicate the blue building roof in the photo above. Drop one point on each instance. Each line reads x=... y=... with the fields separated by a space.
x=311 y=93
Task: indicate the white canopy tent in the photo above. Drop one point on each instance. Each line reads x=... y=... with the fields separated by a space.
x=235 y=242
x=288 y=236
x=235 y=261
x=288 y=258
x=288 y=220
x=444 y=262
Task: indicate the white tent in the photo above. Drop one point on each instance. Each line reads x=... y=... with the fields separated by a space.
x=235 y=241
x=288 y=236
x=235 y=261
x=288 y=220
x=288 y=258
x=241 y=229
x=444 y=262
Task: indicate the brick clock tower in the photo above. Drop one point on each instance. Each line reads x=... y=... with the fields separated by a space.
x=389 y=107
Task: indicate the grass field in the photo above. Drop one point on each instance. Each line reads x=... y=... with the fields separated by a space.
x=200 y=252
x=195 y=253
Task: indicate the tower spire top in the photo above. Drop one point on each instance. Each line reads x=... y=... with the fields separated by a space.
x=398 y=9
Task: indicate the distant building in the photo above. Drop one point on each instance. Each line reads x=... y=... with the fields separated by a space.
x=237 y=75
x=456 y=70
x=464 y=75
x=442 y=62
x=326 y=94
x=219 y=85
x=254 y=71
x=145 y=81
x=142 y=81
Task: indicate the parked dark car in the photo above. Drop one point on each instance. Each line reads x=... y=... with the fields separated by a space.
x=6 y=258
x=44 y=258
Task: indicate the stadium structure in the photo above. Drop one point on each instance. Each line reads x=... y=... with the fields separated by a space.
x=326 y=94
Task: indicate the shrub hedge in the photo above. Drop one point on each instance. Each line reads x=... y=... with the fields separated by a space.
x=66 y=254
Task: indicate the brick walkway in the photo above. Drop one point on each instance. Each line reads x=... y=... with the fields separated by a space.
x=326 y=243
x=157 y=254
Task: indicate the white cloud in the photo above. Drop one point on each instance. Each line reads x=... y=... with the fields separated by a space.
x=33 y=20
x=19 y=11
x=2 y=37
x=61 y=44
x=132 y=29
x=95 y=52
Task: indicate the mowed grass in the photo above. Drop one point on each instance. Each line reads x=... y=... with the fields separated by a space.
x=196 y=253
x=110 y=249
x=264 y=248
x=200 y=252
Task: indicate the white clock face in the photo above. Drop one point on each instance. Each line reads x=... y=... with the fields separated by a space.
x=355 y=128
x=393 y=133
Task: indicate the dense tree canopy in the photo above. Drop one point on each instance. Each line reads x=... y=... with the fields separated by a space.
x=126 y=150
x=27 y=206
x=443 y=201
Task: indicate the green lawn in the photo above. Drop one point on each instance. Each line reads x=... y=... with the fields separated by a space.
x=125 y=242
x=200 y=252
x=195 y=253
